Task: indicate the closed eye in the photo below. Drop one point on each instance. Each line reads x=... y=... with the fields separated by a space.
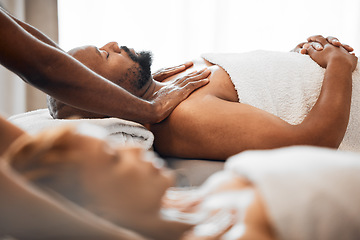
x=107 y=54
x=100 y=52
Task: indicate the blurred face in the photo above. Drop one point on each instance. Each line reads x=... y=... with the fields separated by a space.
x=122 y=66
x=124 y=182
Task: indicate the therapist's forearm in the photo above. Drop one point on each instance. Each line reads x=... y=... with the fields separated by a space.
x=36 y=33
x=56 y=73
x=32 y=30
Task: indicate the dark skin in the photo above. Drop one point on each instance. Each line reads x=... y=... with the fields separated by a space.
x=9 y=133
x=113 y=63
x=185 y=134
x=40 y=62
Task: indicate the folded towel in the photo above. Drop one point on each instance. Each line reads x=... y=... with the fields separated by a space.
x=122 y=131
x=285 y=84
x=309 y=193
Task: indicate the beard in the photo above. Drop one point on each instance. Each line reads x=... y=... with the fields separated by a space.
x=143 y=76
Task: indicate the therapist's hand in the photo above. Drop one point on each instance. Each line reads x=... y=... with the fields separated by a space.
x=318 y=46
x=170 y=95
x=164 y=73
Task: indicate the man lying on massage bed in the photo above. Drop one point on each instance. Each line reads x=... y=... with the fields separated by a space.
x=39 y=61
x=279 y=99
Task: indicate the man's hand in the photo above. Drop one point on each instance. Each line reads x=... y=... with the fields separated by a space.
x=164 y=73
x=330 y=53
x=170 y=95
x=318 y=46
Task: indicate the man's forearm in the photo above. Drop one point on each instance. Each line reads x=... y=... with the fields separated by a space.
x=327 y=121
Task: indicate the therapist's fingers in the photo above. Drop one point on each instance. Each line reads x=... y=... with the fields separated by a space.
x=174 y=92
x=164 y=73
x=193 y=77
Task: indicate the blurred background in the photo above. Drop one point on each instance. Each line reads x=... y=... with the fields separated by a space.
x=177 y=30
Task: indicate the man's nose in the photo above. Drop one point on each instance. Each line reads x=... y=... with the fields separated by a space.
x=114 y=46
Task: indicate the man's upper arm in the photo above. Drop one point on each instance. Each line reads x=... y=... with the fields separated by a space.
x=213 y=128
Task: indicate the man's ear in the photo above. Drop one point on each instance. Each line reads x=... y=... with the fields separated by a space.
x=60 y=110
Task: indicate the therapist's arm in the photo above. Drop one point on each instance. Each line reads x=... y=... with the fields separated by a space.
x=58 y=74
x=32 y=30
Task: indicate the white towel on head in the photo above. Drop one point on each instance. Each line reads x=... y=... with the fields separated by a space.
x=285 y=84
x=119 y=130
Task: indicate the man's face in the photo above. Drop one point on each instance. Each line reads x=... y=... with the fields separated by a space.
x=121 y=65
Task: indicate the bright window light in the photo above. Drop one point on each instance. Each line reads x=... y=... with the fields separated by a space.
x=177 y=31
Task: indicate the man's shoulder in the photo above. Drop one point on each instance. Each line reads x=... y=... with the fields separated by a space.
x=199 y=106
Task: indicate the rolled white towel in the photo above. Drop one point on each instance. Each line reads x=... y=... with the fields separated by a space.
x=122 y=131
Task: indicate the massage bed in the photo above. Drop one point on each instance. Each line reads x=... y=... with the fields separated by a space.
x=189 y=172
x=62 y=219
x=56 y=218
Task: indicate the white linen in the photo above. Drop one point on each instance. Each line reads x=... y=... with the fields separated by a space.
x=285 y=84
x=309 y=193
x=119 y=130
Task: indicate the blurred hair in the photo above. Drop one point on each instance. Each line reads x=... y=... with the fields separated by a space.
x=49 y=160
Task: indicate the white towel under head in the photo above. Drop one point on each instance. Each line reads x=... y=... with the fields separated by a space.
x=119 y=130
